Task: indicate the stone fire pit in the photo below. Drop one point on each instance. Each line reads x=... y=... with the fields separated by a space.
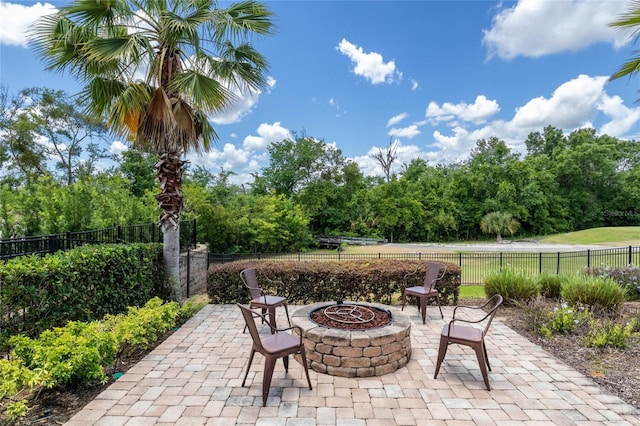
x=355 y=353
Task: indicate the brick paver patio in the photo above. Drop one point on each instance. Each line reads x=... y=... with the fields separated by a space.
x=194 y=377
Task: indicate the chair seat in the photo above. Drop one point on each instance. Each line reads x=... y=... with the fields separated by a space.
x=280 y=342
x=420 y=291
x=459 y=332
x=268 y=301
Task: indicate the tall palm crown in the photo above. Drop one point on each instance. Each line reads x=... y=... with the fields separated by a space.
x=629 y=21
x=154 y=69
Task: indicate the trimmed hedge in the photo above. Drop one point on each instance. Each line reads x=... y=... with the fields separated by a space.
x=83 y=284
x=375 y=280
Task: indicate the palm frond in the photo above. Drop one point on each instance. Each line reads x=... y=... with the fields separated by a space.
x=240 y=19
x=630 y=68
x=157 y=123
x=206 y=93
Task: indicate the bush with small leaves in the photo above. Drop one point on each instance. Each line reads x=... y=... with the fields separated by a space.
x=608 y=333
x=140 y=327
x=74 y=354
x=563 y=319
x=596 y=293
x=515 y=287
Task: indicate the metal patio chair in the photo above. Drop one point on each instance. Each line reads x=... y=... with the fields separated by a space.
x=426 y=291
x=260 y=300
x=280 y=344
x=471 y=335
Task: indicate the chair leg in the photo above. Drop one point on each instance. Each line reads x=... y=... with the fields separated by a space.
x=482 y=361
x=442 y=351
x=272 y=319
x=253 y=352
x=269 y=366
x=285 y=361
x=486 y=357
x=439 y=307
x=404 y=300
x=303 y=355
x=423 y=309
x=286 y=310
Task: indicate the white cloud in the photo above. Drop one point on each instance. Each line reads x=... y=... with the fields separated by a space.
x=535 y=28
x=569 y=107
x=477 y=112
x=267 y=134
x=572 y=105
x=414 y=85
x=622 y=118
x=117 y=148
x=242 y=102
x=405 y=132
x=16 y=19
x=396 y=119
x=369 y=65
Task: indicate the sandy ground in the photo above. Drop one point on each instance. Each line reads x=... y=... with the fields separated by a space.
x=515 y=246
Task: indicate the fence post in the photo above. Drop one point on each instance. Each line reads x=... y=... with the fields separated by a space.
x=188 y=272
x=588 y=258
x=540 y=262
x=501 y=261
x=558 y=265
x=630 y=256
x=119 y=234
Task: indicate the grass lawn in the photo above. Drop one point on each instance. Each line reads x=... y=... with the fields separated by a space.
x=619 y=235
x=472 y=292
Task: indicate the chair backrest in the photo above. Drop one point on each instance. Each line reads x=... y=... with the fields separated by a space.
x=249 y=320
x=250 y=279
x=432 y=275
x=493 y=304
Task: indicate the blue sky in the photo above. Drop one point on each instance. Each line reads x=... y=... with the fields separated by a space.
x=431 y=76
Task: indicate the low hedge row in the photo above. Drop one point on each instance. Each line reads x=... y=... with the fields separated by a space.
x=84 y=284
x=377 y=280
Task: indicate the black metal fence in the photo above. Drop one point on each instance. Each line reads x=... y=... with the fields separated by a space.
x=142 y=233
x=475 y=266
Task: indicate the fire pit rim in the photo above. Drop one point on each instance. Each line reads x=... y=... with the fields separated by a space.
x=324 y=305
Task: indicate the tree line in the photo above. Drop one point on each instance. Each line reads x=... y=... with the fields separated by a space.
x=562 y=183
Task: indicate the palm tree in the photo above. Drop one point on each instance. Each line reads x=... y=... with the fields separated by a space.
x=154 y=69
x=629 y=21
x=499 y=223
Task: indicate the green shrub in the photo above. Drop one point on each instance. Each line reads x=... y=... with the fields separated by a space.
x=563 y=319
x=550 y=285
x=74 y=354
x=83 y=284
x=376 y=280
x=596 y=293
x=628 y=278
x=514 y=287
x=79 y=353
x=140 y=327
x=608 y=333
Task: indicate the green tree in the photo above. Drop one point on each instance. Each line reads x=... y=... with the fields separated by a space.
x=191 y=64
x=499 y=223
x=21 y=156
x=137 y=168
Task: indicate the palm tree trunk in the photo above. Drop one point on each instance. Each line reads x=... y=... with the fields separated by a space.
x=171 y=254
x=169 y=169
